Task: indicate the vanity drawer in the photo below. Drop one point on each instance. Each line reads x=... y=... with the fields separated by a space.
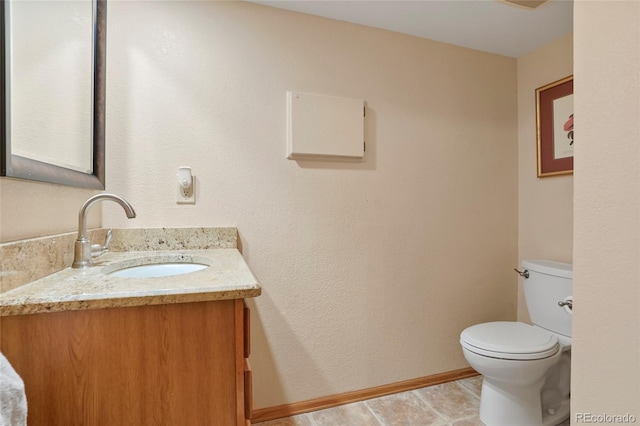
x=248 y=390
x=247 y=331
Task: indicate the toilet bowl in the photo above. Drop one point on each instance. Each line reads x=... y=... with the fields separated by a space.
x=526 y=368
x=515 y=359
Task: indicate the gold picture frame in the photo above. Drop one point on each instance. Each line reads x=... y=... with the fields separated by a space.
x=554 y=123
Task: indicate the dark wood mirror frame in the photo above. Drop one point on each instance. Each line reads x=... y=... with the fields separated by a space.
x=26 y=168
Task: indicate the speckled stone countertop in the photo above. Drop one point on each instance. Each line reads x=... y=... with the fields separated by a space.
x=226 y=277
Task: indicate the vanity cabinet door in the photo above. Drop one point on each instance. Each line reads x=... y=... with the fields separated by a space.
x=150 y=365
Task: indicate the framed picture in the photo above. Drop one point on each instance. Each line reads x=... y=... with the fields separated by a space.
x=554 y=119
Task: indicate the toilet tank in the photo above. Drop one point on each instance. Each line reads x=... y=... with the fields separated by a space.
x=549 y=282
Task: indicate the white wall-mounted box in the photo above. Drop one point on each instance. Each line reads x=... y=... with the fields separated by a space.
x=321 y=126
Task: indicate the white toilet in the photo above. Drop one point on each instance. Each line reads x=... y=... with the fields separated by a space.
x=526 y=368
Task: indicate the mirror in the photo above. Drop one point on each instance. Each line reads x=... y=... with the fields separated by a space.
x=52 y=91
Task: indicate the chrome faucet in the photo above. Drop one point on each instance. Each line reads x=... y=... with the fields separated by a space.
x=83 y=251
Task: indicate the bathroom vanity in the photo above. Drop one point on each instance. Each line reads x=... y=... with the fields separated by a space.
x=95 y=349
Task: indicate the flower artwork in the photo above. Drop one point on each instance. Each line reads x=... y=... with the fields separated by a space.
x=568 y=127
x=563 y=127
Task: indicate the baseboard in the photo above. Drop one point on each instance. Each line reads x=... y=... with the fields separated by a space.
x=286 y=410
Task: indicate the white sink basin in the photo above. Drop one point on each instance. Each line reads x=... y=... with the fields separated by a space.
x=157 y=266
x=158 y=270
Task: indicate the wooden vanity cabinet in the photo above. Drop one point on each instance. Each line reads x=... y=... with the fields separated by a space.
x=177 y=364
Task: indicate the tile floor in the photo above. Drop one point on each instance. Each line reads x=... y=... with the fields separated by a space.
x=451 y=404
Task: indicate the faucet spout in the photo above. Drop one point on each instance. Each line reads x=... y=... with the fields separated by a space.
x=82 y=250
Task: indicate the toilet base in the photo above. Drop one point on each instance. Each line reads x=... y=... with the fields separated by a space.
x=507 y=405
x=503 y=404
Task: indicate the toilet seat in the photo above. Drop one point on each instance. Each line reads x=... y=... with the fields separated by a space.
x=509 y=340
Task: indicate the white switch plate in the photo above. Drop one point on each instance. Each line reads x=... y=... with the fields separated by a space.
x=188 y=197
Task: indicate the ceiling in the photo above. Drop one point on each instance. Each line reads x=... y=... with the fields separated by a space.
x=488 y=25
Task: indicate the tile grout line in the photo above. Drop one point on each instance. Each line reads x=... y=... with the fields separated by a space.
x=374 y=414
x=440 y=415
x=467 y=390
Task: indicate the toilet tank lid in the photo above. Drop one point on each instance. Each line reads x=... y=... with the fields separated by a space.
x=549 y=267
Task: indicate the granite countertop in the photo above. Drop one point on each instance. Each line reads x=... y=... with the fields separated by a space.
x=227 y=277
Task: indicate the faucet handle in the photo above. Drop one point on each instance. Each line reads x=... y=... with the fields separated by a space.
x=107 y=239
x=97 y=249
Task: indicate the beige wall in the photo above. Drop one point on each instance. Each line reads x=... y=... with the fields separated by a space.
x=545 y=205
x=32 y=209
x=606 y=327
x=370 y=270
